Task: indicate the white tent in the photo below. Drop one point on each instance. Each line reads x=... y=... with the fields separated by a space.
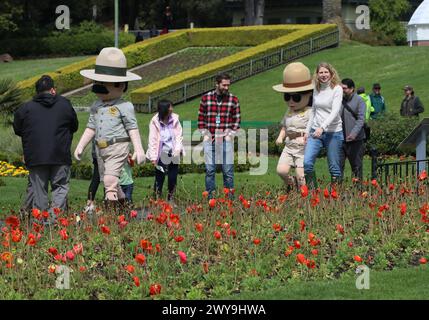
x=418 y=27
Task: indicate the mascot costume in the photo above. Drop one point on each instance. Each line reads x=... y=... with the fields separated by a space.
x=297 y=89
x=112 y=122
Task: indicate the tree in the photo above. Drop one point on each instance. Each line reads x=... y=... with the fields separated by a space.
x=385 y=19
x=10 y=99
x=254 y=12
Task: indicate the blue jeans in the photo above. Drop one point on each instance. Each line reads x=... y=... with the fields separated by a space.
x=128 y=190
x=333 y=142
x=219 y=153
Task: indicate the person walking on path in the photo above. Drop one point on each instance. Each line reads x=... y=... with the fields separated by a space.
x=46 y=125
x=165 y=147
x=377 y=101
x=297 y=89
x=353 y=117
x=411 y=106
x=219 y=119
x=324 y=129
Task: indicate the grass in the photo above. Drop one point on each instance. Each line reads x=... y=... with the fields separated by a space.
x=22 y=69
x=189 y=185
x=399 y=284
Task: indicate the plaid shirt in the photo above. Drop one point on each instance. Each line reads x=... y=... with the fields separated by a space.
x=228 y=110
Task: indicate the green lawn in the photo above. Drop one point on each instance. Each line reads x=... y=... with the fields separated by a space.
x=22 y=69
x=400 y=284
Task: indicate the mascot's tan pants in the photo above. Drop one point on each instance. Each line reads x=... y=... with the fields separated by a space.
x=110 y=163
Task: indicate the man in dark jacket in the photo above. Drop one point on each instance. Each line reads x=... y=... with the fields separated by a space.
x=46 y=126
x=411 y=106
x=353 y=117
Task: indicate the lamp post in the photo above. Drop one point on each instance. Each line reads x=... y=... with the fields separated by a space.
x=116 y=24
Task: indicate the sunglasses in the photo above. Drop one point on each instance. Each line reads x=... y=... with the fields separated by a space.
x=296 y=97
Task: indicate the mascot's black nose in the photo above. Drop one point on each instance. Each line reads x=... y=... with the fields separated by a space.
x=99 y=88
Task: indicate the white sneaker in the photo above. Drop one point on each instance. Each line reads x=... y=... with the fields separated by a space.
x=89 y=208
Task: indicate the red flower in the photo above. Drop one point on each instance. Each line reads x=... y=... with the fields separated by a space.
x=136 y=281
x=302 y=223
x=391 y=187
x=78 y=248
x=63 y=221
x=296 y=244
x=154 y=289
x=105 y=229
x=374 y=183
x=357 y=258
x=140 y=259
x=350 y=244
x=179 y=239
x=36 y=213
x=246 y=204
x=334 y=194
x=340 y=228
x=133 y=214
x=70 y=255
x=301 y=258
x=53 y=251
x=205 y=194
x=423 y=175
x=326 y=193
x=289 y=251
x=423 y=260
x=16 y=235
x=311 y=236
x=158 y=247
x=403 y=207
x=257 y=241
x=226 y=191
x=314 y=252
x=6 y=257
x=13 y=221
x=57 y=211
x=82 y=269
x=217 y=235
x=304 y=191
x=31 y=241
x=182 y=256
x=146 y=244
x=199 y=227
x=130 y=268
x=45 y=214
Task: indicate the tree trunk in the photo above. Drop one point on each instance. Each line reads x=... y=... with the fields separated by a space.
x=331 y=9
x=249 y=12
x=260 y=8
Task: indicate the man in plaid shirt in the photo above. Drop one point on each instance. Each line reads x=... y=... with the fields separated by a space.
x=218 y=121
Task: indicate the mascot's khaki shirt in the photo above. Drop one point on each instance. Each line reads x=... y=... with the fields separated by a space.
x=296 y=123
x=112 y=119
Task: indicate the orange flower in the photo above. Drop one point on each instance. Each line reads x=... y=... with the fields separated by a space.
x=277 y=227
x=289 y=251
x=423 y=260
x=31 y=241
x=13 y=221
x=226 y=191
x=334 y=194
x=296 y=244
x=6 y=257
x=16 y=235
x=403 y=207
x=140 y=259
x=130 y=268
x=314 y=252
x=304 y=191
x=301 y=258
x=357 y=258
x=257 y=241
x=205 y=194
x=326 y=193
x=52 y=268
x=310 y=264
x=302 y=223
x=423 y=175
x=340 y=228
x=374 y=183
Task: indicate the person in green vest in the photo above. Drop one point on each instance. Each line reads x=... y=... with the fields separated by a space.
x=377 y=101
x=367 y=100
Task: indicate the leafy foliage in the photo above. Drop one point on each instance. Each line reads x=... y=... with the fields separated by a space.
x=10 y=98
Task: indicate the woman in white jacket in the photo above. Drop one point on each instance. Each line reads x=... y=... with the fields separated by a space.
x=324 y=129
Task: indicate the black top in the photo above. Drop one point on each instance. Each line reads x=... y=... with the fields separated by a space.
x=46 y=126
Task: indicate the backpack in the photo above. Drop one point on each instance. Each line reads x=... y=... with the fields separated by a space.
x=366 y=127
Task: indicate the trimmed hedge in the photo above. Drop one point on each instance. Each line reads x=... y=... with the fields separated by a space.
x=64 y=44
x=141 y=95
x=68 y=78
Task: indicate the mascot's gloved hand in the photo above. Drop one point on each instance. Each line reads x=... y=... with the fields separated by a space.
x=137 y=144
x=87 y=136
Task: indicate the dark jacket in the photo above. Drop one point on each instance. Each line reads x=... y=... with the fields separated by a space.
x=351 y=125
x=411 y=106
x=46 y=126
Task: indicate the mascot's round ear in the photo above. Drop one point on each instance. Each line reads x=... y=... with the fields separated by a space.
x=126 y=88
